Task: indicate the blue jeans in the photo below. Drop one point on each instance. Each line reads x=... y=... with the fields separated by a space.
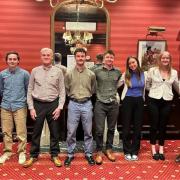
x=77 y=112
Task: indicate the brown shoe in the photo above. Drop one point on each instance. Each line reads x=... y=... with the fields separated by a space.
x=29 y=162
x=57 y=162
x=110 y=155
x=99 y=159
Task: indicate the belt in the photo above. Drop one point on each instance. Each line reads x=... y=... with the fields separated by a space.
x=81 y=101
x=108 y=103
x=41 y=101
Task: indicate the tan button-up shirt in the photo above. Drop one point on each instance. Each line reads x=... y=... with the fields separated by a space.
x=80 y=85
x=46 y=84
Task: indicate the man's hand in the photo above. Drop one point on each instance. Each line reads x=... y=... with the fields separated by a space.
x=56 y=113
x=33 y=114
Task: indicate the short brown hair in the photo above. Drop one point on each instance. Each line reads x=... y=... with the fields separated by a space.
x=109 y=52
x=99 y=58
x=82 y=50
x=12 y=52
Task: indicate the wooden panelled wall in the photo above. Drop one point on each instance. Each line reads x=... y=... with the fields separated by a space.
x=25 y=27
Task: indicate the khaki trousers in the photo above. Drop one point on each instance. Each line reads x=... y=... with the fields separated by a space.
x=8 y=119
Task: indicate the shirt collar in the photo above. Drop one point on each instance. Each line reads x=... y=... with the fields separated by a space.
x=47 y=68
x=107 y=68
x=14 y=70
x=83 y=69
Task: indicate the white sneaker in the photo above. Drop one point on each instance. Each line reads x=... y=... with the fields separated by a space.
x=3 y=158
x=22 y=158
x=134 y=157
x=127 y=157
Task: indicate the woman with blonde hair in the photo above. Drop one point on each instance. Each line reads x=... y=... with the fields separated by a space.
x=160 y=80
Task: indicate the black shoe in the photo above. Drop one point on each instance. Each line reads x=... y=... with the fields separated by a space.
x=178 y=159
x=68 y=160
x=90 y=160
x=161 y=157
x=155 y=156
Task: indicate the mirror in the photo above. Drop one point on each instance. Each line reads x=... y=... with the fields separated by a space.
x=92 y=31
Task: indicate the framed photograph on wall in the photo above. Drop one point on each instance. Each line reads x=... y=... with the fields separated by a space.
x=149 y=51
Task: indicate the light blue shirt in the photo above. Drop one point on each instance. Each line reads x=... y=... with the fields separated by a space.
x=137 y=86
x=13 y=88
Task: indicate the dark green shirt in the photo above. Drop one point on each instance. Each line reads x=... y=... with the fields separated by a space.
x=106 y=87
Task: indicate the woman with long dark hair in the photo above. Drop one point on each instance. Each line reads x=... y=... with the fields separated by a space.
x=132 y=107
x=160 y=80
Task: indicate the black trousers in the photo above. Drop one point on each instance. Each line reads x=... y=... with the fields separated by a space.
x=132 y=114
x=101 y=111
x=44 y=111
x=159 y=111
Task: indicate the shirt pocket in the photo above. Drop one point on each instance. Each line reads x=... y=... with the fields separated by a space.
x=53 y=79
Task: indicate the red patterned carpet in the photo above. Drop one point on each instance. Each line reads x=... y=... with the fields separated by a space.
x=145 y=168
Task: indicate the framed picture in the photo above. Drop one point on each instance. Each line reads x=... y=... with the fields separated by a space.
x=149 y=51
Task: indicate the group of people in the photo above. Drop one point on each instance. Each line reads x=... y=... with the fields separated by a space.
x=45 y=91
x=158 y=81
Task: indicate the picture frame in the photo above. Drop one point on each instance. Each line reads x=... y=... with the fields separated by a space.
x=149 y=51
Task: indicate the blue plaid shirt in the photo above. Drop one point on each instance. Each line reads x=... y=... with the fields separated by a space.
x=13 y=88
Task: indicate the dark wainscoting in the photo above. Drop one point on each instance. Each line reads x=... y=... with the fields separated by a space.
x=173 y=128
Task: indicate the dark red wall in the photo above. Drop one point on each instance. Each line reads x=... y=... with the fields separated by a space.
x=25 y=27
x=129 y=22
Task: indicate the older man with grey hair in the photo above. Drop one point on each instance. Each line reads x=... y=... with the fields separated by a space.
x=46 y=97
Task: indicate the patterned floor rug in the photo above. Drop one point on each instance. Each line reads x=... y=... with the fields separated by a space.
x=144 y=169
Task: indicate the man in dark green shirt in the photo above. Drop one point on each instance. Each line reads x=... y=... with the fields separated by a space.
x=106 y=105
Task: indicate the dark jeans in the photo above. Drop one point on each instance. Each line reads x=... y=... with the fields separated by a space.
x=44 y=111
x=101 y=111
x=159 y=110
x=132 y=114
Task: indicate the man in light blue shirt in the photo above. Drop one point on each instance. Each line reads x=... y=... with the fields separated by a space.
x=13 y=90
